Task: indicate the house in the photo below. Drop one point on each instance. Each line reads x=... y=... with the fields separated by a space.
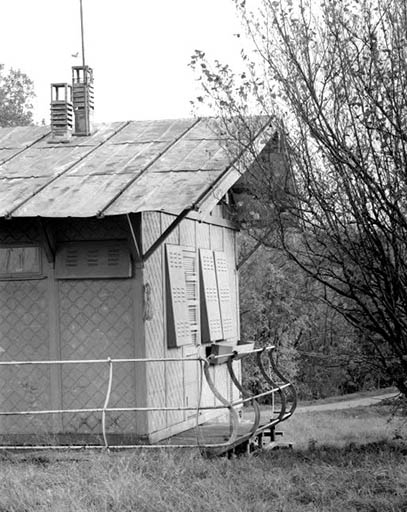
x=115 y=242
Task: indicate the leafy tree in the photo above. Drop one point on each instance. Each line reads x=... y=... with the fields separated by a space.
x=283 y=306
x=16 y=94
x=332 y=78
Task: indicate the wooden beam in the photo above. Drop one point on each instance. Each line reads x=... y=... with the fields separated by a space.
x=134 y=236
x=165 y=235
x=48 y=240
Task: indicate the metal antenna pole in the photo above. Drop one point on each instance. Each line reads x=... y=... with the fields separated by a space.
x=85 y=74
x=82 y=35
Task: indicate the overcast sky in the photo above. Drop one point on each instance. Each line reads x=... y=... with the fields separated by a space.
x=139 y=50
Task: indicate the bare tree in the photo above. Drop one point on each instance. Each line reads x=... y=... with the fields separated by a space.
x=333 y=80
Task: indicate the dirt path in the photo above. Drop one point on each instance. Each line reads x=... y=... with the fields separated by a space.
x=347 y=404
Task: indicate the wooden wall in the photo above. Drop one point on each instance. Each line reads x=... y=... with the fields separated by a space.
x=173 y=383
x=51 y=318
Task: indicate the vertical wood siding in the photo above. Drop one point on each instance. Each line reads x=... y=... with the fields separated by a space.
x=202 y=236
x=230 y=241
x=154 y=325
x=178 y=384
x=188 y=238
x=187 y=233
x=229 y=249
x=216 y=237
x=174 y=371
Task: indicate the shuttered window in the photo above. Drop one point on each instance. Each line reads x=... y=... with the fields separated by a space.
x=199 y=300
x=178 y=314
x=211 y=318
x=93 y=260
x=20 y=262
x=192 y=292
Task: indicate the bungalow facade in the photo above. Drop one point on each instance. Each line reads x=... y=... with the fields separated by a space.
x=116 y=241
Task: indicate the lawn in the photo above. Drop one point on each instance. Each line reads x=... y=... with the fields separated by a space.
x=361 y=425
x=351 y=460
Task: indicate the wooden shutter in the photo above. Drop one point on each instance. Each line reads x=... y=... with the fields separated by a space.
x=81 y=260
x=225 y=296
x=178 y=322
x=211 y=319
x=192 y=292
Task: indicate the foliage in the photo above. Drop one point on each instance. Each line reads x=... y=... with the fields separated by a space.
x=283 y=306
x=335 y=74
x=16 y=95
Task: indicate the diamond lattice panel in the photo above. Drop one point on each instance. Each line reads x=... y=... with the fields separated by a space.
x=24 y=336
x=96 y=322
x=18 y=230
x=89 y=229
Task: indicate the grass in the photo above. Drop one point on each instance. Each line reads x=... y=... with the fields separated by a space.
x=343 y=460
x=350 y=396
x=360 y=425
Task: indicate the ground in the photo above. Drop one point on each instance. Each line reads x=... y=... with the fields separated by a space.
x=350 y=460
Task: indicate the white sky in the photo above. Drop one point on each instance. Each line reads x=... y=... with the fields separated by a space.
x=139 y=50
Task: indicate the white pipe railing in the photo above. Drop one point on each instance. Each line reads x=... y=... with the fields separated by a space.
x=204 y=364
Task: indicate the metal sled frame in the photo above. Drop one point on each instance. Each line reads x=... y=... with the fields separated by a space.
x=282 y=392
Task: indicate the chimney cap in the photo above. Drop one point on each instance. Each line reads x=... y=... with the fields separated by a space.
x=82 y=74
x=82 y=67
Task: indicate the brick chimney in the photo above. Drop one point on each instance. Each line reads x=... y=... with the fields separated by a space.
x=61 y=112
x=82 y=95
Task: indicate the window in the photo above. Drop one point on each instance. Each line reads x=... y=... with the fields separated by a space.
x=20 y=262
x=93 y=260
x=198 y=297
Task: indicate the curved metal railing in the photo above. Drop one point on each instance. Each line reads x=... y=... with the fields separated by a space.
x=279 y=387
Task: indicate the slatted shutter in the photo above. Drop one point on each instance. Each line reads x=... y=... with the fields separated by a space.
x=225 y=296
x=81 y=260
x=178 y=321
x=192 y=292
x=211 y=319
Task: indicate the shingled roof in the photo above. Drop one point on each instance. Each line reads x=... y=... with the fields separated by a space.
x=164 y=165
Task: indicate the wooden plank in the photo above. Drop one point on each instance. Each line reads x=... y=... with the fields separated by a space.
x=216 y=236
x=191 y=372
x=154 y=321
x=209 y=433
x=140 y=370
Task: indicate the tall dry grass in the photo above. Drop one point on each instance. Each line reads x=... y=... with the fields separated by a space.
x=323 y=474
